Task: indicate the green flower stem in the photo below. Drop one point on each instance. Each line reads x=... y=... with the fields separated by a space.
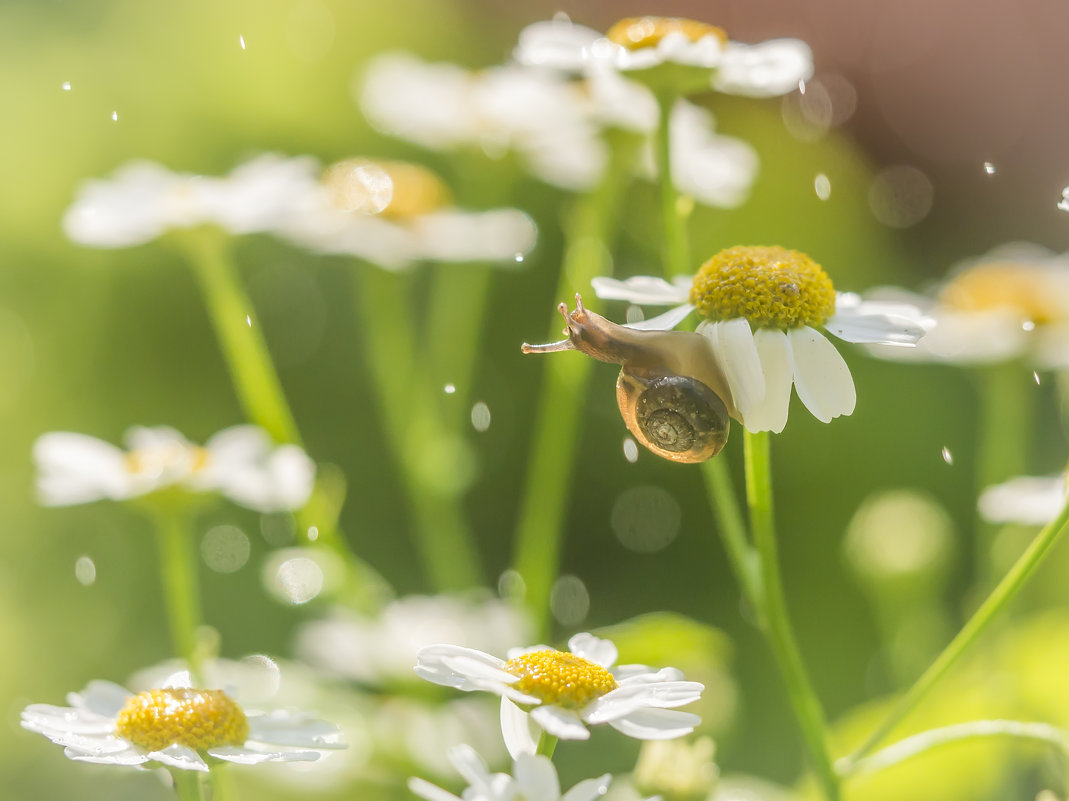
x=187 y=784
x=936 y=738
x=222 y=779
x=745 y=560
x=181 y=595
x=414 y=428
x=1006 y=590
x=773 y=613
x=555 y=441
x=459 y=295
x=676 y=247
x=547 y=744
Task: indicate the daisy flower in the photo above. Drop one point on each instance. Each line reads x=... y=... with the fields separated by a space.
x=175 y=726
x=1031 y=500
x=561 y=693
x=762 y=310
x=1010 y=303
x=394 y=214
x=382 y=649
x=688 y=54
x=533 y=778
x=240 y=463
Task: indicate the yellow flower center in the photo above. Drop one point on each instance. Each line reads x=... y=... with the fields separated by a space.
x=391 y=188
x=772 y=287
x=638 y=32
x=1028 y=289
x=556 y=677
x=198 y=719
x=171 y=458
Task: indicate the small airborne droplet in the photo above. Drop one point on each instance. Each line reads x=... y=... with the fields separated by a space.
x=630 y=450
x=313 y=533
x=241 y=41
x=822 y=186
x=114 y=116
x=65 y=86
x=248 y=320
x=1035 y=377
x=85 y=570
x=1063 y=204
x=518 y=257
x=1028 y=325
x=480 y=416
x=989 y=168
x=947 y=456
x=450 y=389
x=801 y=86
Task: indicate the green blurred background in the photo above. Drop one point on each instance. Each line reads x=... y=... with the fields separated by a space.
x=95 y=341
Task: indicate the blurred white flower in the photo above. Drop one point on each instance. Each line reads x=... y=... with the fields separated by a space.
x=382 y=649
x=763 y=308
x=561 y=693
x=241 y=463
x=1031 y=500
x=533 y=778
x=143 y=200
x=175 y=726
x=677 y=769
x=637 y=44
x=1012 y=302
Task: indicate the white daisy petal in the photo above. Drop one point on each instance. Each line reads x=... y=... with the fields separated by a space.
x=47 y=719
x=101 y=697
x=643 y=290
x=563 y=723
x=537 y=778
x=74 y=469
x=518 y=730
x=179 y=756
x=821 y=376
x=471 y=767
x=283 y=727
x=599 y=651
x=866 y=326
x=642 y=674
x=247 y=756
x=622 y=701
x=430 y=792
x=589 y=789
x=1031 y=500
x=774 y=351
x=664 y=322
x=733 y=343
x=128 y=757
x=656 y=724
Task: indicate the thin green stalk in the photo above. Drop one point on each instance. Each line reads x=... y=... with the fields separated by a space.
x=1006 y=590
x=676 y=246
x=181 y=595
x=555 y=441
x=547 y=744
x=187 y=784
x=724 y=503
x=421 y=443
x=455 y=318
x=222 y=779
x=773 y=613
x=936 y=738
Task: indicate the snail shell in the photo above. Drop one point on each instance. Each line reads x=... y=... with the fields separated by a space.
x=672 y=392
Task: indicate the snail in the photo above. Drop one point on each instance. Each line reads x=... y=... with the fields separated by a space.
x=672 y=392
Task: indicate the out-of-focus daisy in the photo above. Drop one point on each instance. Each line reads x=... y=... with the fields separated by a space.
x=382 y=649
x=563 y=692
x=241 y=463
x=393 y=214
x=175 y=726
x=1031 y=500
x=143 y=200
x=678 y=770
x=700 y=55
x=1011 y=303
x=533 y=778
x=762 y=309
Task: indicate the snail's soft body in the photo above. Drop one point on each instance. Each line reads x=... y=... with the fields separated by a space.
x=672 y=392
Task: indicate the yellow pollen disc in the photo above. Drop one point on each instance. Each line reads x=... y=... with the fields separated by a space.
x=169 y=457
x=556 y=677
x=772 y=287
x=198 y=719
x=1025 y=288
x=364 y=185
x=638 y=32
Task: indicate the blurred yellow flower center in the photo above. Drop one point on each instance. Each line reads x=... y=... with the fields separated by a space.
x=169 y=458
x=1033 y=291
x=772 y=287
x=391 y=188
x=556 y=677
x=637 y=32
x=197 y=719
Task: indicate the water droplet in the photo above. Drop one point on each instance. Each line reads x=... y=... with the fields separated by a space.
x=1063 y=204
x=518 y=257
x=801 y=86
x=225 y=549
x=947 y=456
x=989 y=168
x=822 y=186
x=1028 y=325
x=450 y=389
x=1035 y=377
x=65 y=86
x=248 y=320
x=313 y=533
x=630 y=450
x=85 y=570
x=645 y=519
x=511 y=586
x=114 y=116
x=241 y=41
x=569 y=600
x=480 y=416
x=299 y=580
